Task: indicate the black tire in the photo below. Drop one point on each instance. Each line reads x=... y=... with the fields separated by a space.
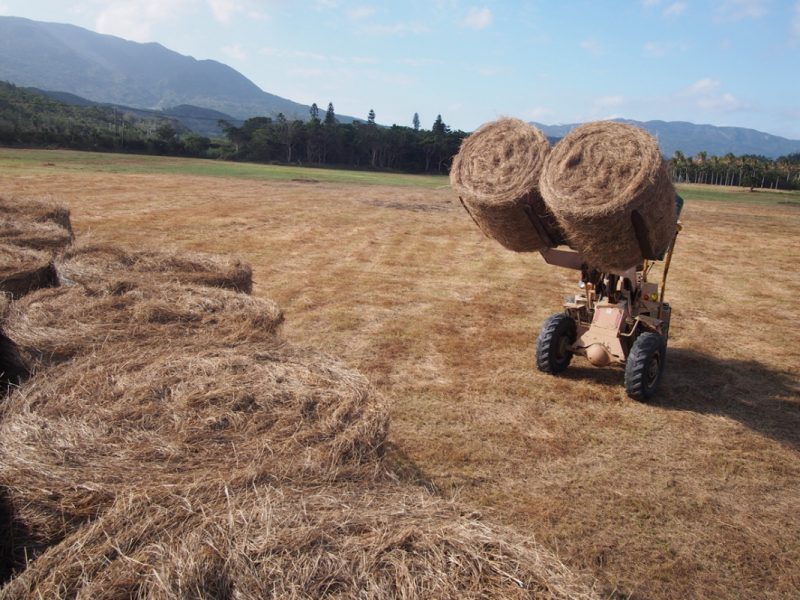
x=557 y=332
x=644 y=366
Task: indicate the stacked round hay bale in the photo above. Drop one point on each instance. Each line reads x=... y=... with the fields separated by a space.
x=345 y=541
x=496 y=175
x=608 y=188
x=95 y=264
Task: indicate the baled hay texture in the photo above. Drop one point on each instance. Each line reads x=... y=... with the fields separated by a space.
x=23 y=270
x=147 y=416
x=37 y=209
x=55 y=325
x=100 y=264
x=342 y=542
x=496 y=175
x=596 y=181
x=39 y=235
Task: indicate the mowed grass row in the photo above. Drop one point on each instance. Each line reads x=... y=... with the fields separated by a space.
x=694 y=495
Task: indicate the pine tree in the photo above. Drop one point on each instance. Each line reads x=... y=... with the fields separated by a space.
x=371 y=117
x=330 y=116
x=415 y=121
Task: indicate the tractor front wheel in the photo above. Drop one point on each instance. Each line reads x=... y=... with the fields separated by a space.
x=557 y=334
x=644 y=365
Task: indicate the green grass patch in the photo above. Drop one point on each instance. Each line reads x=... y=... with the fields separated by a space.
x=736 y=194
x=48 y=161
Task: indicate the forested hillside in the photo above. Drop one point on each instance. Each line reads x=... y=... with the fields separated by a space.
x=32 y=119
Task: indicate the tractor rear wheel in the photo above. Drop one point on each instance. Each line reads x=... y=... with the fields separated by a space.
x=644 y=365
x=557 y=334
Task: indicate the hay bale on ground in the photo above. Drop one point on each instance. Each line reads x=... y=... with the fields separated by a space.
x=496 y=175
x=98 y=264
x=155 y=416
x=23 y=270
x=55 y=325
x=37 y=209
x=373 y=542
x=607 y=185
x=38 y=235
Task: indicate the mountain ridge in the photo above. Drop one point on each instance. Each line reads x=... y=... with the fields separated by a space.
x=109 y=69
x=693 y=138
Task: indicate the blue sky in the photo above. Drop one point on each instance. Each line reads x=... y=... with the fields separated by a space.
x=725 y=62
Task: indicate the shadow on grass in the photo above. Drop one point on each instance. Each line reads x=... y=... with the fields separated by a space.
x=763 y=399
x=400 y=465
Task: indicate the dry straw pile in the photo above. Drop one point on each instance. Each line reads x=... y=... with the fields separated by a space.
x=496 y=175
x=607 y=186
x=31 y=232
x=97 y=264
x=41 y=210
x=371 y=541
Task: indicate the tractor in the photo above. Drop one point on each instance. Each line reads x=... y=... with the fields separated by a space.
x=615 y=318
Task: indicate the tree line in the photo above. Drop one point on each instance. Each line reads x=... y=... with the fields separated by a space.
x=324 y=140
x=747 y=170
x=34 y=120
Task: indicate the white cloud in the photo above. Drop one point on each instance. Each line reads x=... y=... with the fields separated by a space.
x=707 y=94
x=675 y=9
x=315 y=56
x=396 y=29
x=703 y=86
x=592 y=46
x=608 y=101
x=134 y=20
x=491 y=71
x=537 y=113
x=477 y=18
x=361 y=12
x=4 y=10
x=742 y=9
x=235 y=51
x=662 y=49
x=419 y=62
x=225 y=10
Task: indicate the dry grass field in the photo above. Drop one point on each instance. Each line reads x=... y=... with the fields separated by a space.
x=695 y=495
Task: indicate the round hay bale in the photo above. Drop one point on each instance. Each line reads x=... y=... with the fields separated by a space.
x=38 y=235
x=496 y=175
x=150 y=417
x=38 y=209
x=58 y=324
x=608 y=187
x=346 y=541
x=96 y=264
x=23 y=270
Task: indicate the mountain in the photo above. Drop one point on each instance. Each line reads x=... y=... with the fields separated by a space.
x=690 y=138
x=108 y=69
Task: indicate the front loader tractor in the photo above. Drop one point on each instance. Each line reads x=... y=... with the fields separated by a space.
x=615 y=318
